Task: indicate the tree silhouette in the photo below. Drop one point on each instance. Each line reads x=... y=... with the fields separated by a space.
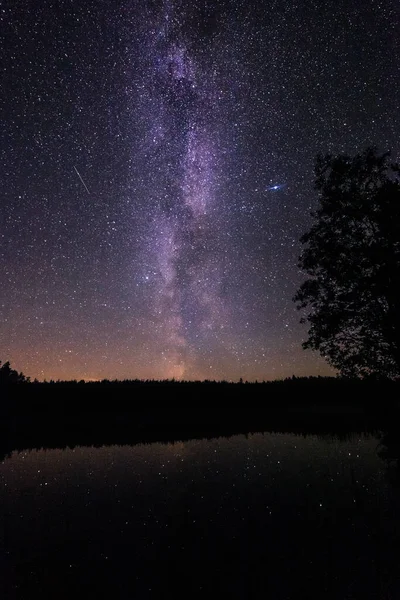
x=352 y=255
x=9 y=375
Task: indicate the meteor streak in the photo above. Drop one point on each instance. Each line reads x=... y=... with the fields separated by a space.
x=83 y=183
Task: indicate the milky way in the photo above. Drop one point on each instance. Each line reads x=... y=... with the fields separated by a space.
x=157 y=175
x=185 y=280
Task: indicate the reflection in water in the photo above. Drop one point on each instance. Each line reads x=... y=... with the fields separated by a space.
x=264 y=515
x=389 y=451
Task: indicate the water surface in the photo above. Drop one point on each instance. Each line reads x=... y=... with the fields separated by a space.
x=261 y=516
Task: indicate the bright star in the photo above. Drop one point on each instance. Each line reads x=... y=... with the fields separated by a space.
x=273 y=188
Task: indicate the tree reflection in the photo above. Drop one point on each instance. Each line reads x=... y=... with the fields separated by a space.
x=389 y=451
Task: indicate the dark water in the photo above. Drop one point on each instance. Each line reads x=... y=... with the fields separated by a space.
x=265 y=516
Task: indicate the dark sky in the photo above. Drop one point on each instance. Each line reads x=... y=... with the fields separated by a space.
x=156 y=175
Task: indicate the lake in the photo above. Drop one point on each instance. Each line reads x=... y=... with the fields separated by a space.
x=272 y=515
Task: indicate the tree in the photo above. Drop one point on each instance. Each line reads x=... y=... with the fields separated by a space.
x=9 y=375
x=352 y=255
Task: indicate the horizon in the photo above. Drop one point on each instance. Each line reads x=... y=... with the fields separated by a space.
x=239 y=381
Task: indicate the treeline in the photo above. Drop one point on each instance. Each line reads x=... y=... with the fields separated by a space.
x=158 y=396
x=296 y=389
x=9 y=376
x=310 y=380
x=307 y=381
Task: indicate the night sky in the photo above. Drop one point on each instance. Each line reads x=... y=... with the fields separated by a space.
x=157 y=173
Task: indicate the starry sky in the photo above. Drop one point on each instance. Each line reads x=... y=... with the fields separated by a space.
x=157 y=173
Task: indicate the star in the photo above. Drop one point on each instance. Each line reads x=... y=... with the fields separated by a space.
x=274 y=188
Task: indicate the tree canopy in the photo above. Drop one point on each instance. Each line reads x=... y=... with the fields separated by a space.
x=9 y=375
x=352 y=257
